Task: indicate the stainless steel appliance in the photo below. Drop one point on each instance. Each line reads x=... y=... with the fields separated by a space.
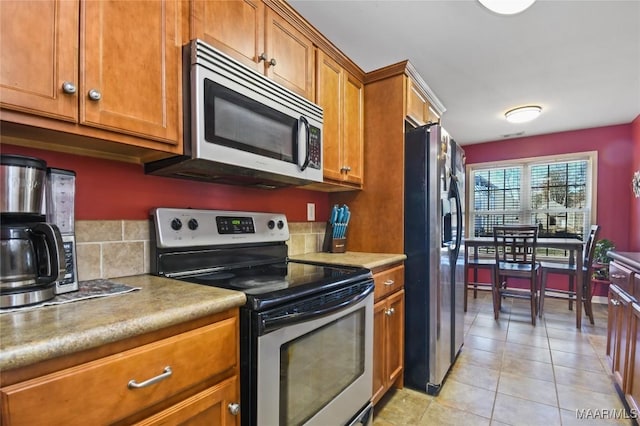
x=306 y=331
x=60 y=206
x=31 y=255
x=434 y=245
x=245 y=128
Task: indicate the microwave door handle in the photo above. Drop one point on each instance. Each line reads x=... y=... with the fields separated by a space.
x=307 y=138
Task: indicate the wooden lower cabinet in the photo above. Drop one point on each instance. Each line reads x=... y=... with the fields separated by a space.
x=632 y=392
x=388 y=339
x=617 y=337
x=213 y=406
x=190 y=377
x=623 y=331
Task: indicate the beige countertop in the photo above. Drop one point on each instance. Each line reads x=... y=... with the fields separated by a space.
x=352 y=258
x=30 y=336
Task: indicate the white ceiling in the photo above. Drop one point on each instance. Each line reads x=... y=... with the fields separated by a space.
x=578 y=59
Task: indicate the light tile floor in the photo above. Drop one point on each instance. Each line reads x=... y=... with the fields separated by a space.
x=512 y=373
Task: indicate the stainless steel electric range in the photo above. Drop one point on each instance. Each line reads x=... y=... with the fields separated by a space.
x=306 y=331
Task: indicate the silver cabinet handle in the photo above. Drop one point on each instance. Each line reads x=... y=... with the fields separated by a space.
x=618 y=276
x=95 y=95
x=68 y=88
x=165 y=375
x=234 y=408
x=389 y=312
x=389 y=282
x=615 y=302
x=263 y=57
x=345 y=169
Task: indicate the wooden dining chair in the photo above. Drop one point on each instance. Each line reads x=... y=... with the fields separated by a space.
x=570 y=269
x=515 y=252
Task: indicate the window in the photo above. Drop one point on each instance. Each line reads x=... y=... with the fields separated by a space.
x=554 y=193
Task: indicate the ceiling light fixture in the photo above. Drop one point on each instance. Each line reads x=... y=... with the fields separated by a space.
x=523 y=114
x=507 y=7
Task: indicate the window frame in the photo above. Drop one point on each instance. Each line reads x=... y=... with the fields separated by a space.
x=525 y=164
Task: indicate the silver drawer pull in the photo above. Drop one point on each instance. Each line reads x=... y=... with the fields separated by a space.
x=165 y=375
x=618 y=276
x=389 y=282
x=389 y=312
x=615 y=302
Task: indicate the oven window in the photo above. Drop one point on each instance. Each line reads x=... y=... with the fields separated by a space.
x=236 y=121
x=316 y=367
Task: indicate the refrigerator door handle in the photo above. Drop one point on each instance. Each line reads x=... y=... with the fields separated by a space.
x=456 y=195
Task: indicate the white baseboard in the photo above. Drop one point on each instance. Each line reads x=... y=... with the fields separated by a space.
x=603 y=300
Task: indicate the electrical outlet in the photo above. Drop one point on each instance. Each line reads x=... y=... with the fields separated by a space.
x=311 y=211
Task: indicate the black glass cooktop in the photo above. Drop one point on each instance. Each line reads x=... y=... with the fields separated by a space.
x=274 y=284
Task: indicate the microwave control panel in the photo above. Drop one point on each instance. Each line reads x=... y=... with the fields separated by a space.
x=315 y=147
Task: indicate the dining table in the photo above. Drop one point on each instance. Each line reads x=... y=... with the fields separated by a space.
x=573 y=245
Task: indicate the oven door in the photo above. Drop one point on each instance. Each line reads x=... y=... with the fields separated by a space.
x=316 y=370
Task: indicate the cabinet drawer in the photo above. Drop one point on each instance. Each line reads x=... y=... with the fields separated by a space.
x=622 y=277
x=97 y=392
x=388 y=281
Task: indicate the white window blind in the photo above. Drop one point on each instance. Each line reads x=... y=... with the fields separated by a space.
x=553 y=193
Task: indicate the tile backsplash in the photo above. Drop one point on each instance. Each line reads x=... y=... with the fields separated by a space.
x=118 y=248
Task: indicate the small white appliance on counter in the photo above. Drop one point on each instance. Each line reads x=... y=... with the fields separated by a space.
x=60 y=206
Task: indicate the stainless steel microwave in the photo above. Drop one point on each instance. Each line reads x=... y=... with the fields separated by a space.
x=244 y=128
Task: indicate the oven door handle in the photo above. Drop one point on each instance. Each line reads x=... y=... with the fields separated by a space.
x=291 y=317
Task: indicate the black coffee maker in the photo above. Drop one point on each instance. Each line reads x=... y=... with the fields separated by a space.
x=31 y=250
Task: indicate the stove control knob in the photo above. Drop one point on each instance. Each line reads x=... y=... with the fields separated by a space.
x=271 y=224
x=176 y=224
x=280 y=224
x=193 y=224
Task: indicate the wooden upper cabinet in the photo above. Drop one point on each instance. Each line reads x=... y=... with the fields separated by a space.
x=289 y=56
x=329 y=97
x=234 y=27
x=341 y=96
x=417 y=105
x=39 y=45
x=353 y=129
x=257 y=36
x=112 y=67
x=130 y=78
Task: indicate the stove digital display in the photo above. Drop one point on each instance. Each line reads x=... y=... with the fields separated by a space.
x=235 y=225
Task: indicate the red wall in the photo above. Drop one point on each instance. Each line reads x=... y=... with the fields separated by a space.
x=113 y=190
x=615 y=147
x=634 y=224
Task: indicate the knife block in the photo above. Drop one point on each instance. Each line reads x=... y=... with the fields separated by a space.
x=333 y=245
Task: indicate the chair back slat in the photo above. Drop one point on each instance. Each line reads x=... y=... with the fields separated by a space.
x=590 y=245
x=515 y=244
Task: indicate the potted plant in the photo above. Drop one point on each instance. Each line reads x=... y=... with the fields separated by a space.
x=601 y=259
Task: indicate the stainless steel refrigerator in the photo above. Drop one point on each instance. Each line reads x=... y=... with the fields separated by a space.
x=434 y=245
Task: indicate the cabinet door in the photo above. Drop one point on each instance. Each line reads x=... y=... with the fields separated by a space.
x=618 y=333
x=289 y=55
x=235 y=27
x=211 y=407
x=379 y=342
x=353 y=129
x=395 y=336
x=632 y=392
x=613 y=318
x=40 y=52
x=329 y=97
x=417 y=105
x=130 y=79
